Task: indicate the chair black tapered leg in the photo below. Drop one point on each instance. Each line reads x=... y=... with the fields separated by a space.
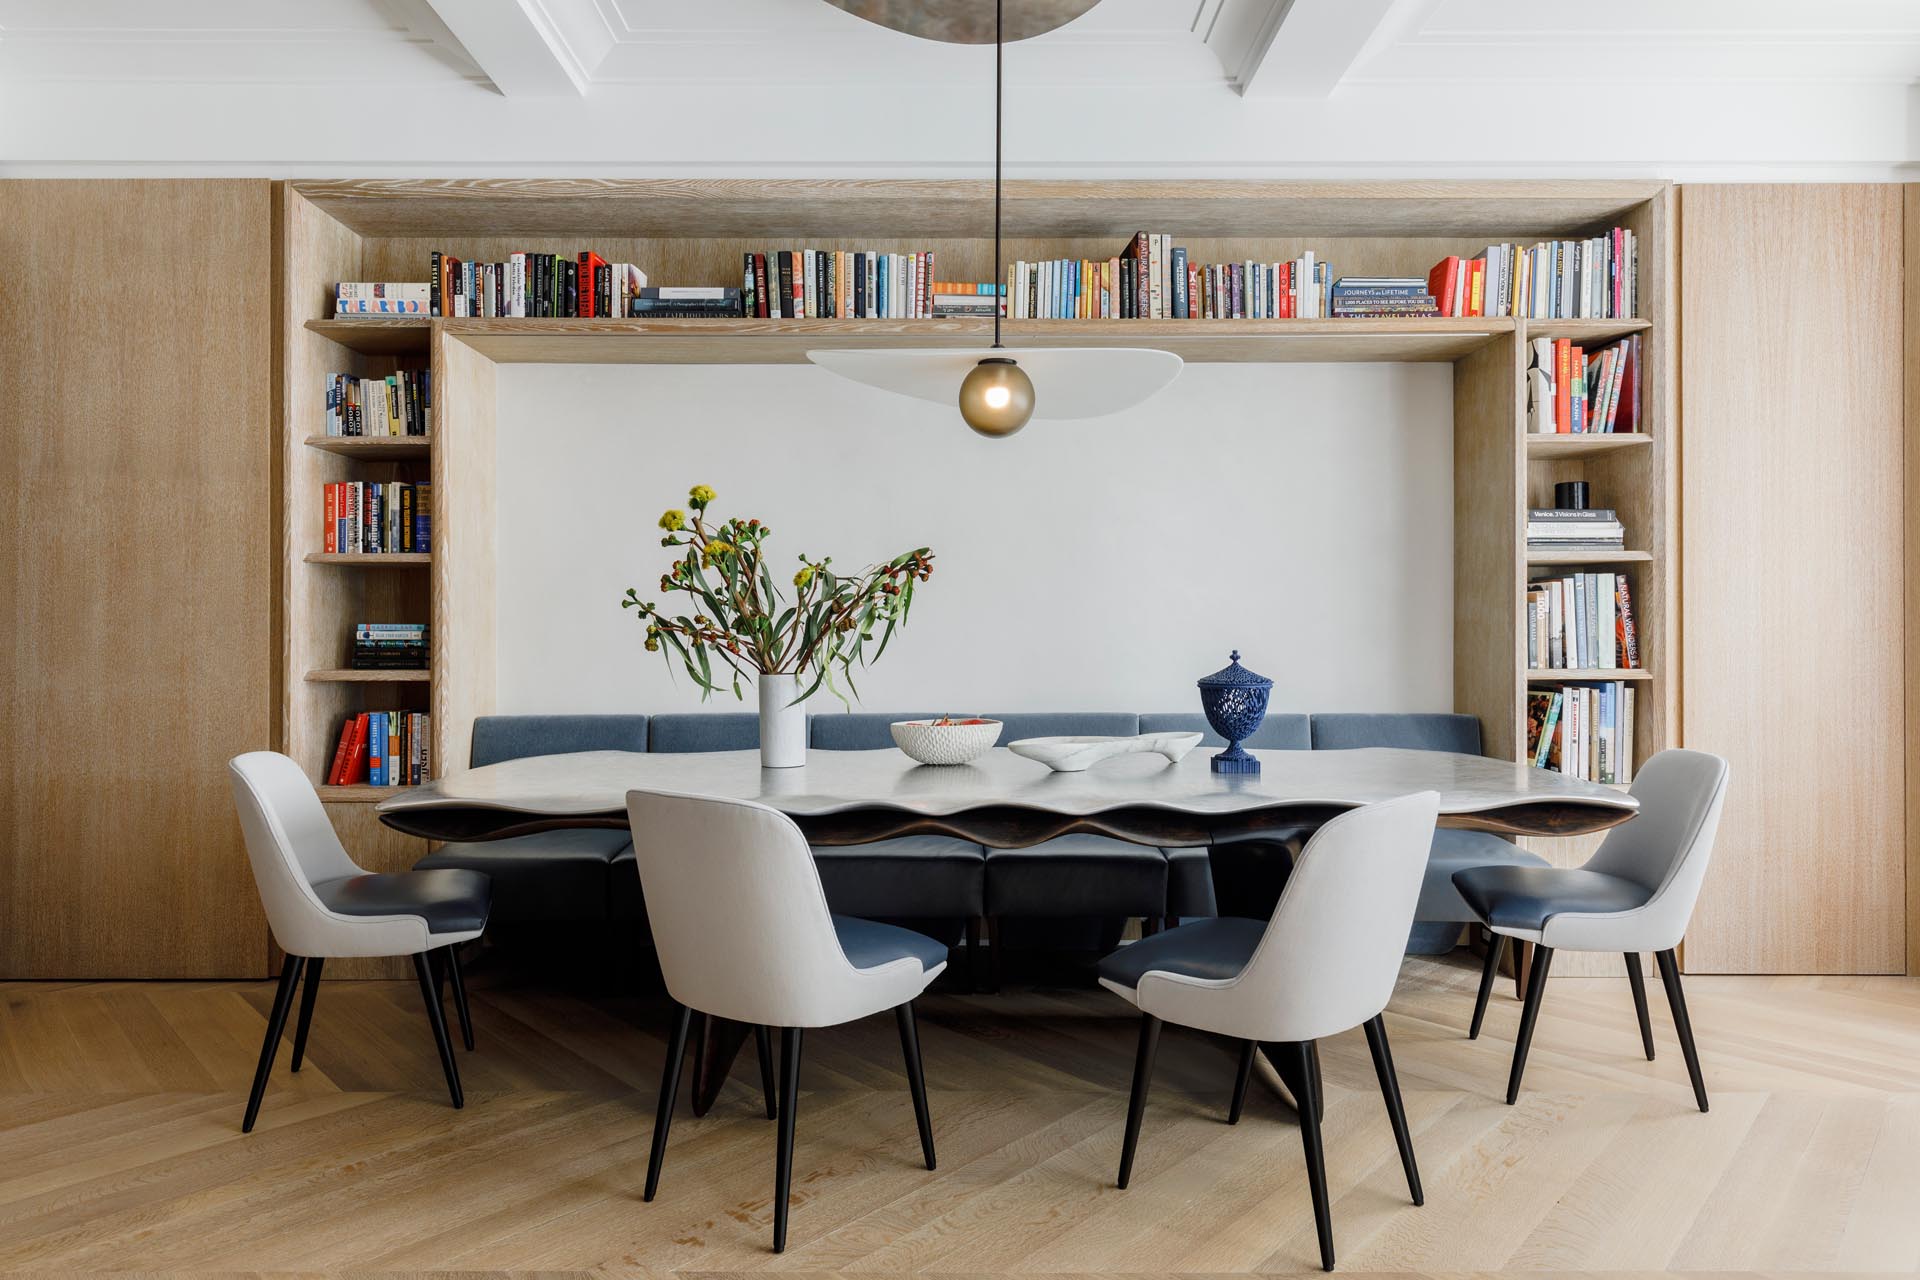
x=669 y=1091
x=783 y=1153
x=1137 y=1100
x=308 y=994
x=1529 y=1014
x=458 y=982
x=1390 y=1092
x=916 y=1077
x=1311 y=1109
x=1319 y=1089
x=276 y=1024
x=763 y=1047
x=1496 y=947
x=1639 y=984
x=1682 y=1025
x=423 y=969
x=1241 y=1079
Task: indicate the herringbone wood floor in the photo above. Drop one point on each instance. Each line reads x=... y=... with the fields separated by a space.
x=121 y=1147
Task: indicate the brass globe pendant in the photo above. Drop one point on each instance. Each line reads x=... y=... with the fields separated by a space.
x=996 y=397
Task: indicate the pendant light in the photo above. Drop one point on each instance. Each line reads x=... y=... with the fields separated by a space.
x=996 y=392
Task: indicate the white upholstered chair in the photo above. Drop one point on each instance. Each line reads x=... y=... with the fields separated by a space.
x=1635 y=894
x=320 y=905
x=743 y=933
x=1324 y=963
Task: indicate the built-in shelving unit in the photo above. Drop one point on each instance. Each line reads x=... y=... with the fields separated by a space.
x=694 y=232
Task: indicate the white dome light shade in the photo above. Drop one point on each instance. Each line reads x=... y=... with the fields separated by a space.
x=1068 y=382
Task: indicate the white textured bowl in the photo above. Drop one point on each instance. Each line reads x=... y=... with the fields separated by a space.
x=931 y=743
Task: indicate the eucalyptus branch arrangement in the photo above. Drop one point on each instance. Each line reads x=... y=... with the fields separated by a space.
x=739 y=618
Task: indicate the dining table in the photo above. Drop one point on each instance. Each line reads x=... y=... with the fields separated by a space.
x=1006 y=801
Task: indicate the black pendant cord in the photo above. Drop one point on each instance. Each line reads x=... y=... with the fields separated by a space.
x=999 y=63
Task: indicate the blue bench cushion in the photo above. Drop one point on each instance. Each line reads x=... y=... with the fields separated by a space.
x=907 y=876
x=705 y=731
x=553 y=875
x=1457 y=851
x=450 y=901
x=1280 y=731
x=1527 y=897
x=869 y=731
x=1418 y=731
x=858 y=730
x=1217 y=948
x=497 y=738
x=1078 y=875
x=868 y=943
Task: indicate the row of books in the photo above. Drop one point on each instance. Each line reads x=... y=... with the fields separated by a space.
x=1583 y=622
x=1589 y=529
x=1573 y=391
x=1154 y=279
x=383 y=749
x=1582 y=730
x=1554 y=280
x=389 y=646
x=1392 y=297
x=963 y=300
x=372 y=517
x=381 y=298
x=828 y=284
x=395 y=405
x=533 y=284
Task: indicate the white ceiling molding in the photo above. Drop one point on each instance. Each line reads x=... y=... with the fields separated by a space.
x=530 y=48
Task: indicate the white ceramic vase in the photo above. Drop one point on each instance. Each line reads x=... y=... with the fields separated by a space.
x=783 y=722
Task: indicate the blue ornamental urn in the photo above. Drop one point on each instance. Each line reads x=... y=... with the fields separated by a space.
x=1235 y=700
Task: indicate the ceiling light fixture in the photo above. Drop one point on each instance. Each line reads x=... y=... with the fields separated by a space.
x=997 y=395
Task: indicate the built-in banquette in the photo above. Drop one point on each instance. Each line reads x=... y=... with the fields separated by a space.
x=588 y=875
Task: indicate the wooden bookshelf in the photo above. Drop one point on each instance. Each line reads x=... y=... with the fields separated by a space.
x=1589 y=557
x=374 y=448
x=694 y=232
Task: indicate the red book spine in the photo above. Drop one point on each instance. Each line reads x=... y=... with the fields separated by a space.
x=355 y=769
x=1440 y=283
x=332 y=533
x=1563 y=385
x=340 y=753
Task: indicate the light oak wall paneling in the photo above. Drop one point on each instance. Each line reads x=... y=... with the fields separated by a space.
x=463 y=546
x=136 y=616
x=1487 y=659
x=1792 y=459
x=1910 y=251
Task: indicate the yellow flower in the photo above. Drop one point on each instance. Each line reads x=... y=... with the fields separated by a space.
x=715 y=550
x=673 y=520
x=699 y=495
x=802 y=578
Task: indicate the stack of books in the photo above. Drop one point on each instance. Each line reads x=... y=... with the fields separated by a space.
x=1153 y=279
x=1554 y=280
x=371 y=298
x=958 y=300
x=389 y=646
x=829 y=284
x=1392 y=297
x=532 y=284
x=1555 y=529
x=1582 y=730
x=1581 y=622
x=1572 y=391
x=395 y=405
x=687 y=302
x=383 y=749
x=373 y=517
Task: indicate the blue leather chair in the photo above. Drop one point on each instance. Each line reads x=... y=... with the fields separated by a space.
x=1441 y=910
x=551 y=876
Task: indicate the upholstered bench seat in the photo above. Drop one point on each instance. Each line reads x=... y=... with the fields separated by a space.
x=909 y=876
x=1077 y=875
x=550 y=876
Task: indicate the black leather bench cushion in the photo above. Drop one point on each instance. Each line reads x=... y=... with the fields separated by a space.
x=1458 y=851
x=869 y=943
x=552 y=875
x=1189 y=883
x=1527 y=897
x=907 y=876
x=1217 y=948
x=450 y=900
x=625 y=902
x=1078 y=875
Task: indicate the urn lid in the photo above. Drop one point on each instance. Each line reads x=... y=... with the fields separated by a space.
x=1235 y=676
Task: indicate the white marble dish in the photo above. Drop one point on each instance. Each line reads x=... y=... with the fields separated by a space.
x=1071 y=755
x=931 y=742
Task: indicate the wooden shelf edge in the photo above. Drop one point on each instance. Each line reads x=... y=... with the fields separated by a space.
x=1587 y=675
x=1589 y=557
x=385 y=447
x=359 y=793
x=389 y=560
x=377 y=335
x=349 y=675
x=1539 y=444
